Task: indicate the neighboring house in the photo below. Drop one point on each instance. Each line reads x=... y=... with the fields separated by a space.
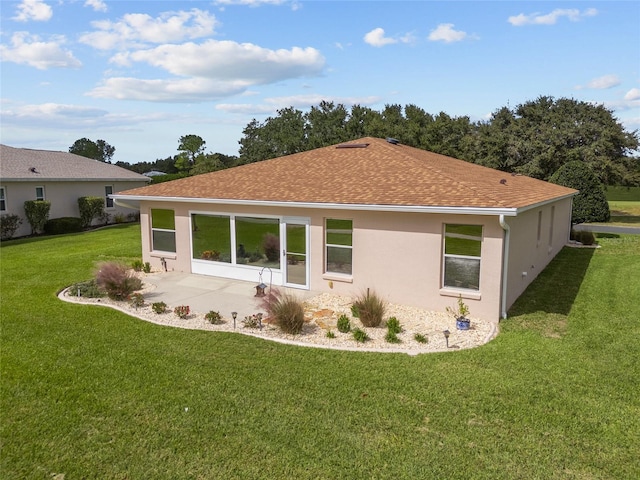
x=416 y=227
x=60 y=178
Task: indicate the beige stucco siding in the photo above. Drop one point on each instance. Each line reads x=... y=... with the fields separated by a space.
x=62 y=195
x=530 y=253
x=397 y=255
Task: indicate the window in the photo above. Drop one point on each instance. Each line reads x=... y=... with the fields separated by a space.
x=553 y=214
x=163 y=230
x=211 y=239
x=39 y=193
x=108 y=190
x=339 y=246
x=462 y=252
x=257 y=241
x=539 y=227
x=3 y=200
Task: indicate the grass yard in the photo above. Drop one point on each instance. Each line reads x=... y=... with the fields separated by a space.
x=624 y=203
x=88 y=392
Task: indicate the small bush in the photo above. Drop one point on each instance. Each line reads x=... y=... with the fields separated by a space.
x=119 y=218
x=212 y=255
x=136 y=300
x=182 y=311
x=286 y=310
x=9 y=223
x=117 y=281
x=344 y=325
x=584 y=237
x=137 y=265
x=59 y=226
x=330 y=334
x=159 y=307
x=253 y=321
x=418 y=337
x=90 y=208
x=354 y=311
x=271 y=247
x=360 y=335
x=37 y=213
x=392 y=337
x=88 y=289
x=147 y=267
x=393 y=325
x=214 y=318
x=371 y=309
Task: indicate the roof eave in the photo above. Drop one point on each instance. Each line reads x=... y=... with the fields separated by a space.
x=66 y=179
x=545 y=202
x=510 y=212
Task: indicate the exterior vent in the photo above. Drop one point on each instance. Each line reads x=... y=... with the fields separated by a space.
x=393 y=141
x=352 y=145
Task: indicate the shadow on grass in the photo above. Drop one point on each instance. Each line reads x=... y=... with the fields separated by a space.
x=555 y=289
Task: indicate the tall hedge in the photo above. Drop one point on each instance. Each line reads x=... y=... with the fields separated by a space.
x=37 y=213
x=590 y=205
x=90 y=208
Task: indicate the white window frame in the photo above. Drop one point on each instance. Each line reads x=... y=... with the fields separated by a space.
x=108 y=202
x=153 y=247
x=3 y=199
x=464 y=257
x=327 y=245
x=43 y=197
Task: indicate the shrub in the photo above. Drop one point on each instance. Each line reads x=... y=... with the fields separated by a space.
x=182 y=311
x=271 y=247
x=418 y=337
x=371 y=309
x=590 y=204
x=37 y=213
x=159 y=307
x=213 y=255
x=360 y=335
x=330 y=334
x=214 y=317
x=90 y=208
x=286 y=310
x=88 y=289
x=393 y=325
x=392 y=337
x=133 y=216
x=117 y=281
x=147 y=267
x=136 y=300
x=253 y=321
x=354 y=311
x=119 y=218
x=9 y=223
x=584 y=237
x=344 y=325
x=137 y=265
x=58 y=226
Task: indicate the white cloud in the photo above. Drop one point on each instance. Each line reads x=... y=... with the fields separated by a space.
x=602 y=83
x=229 y=61
x=376 y=38
x=30 y=50
x=138 y=29
x=633 y=94
x=552 y=18
x=445 y=33
x=302 y=102
x=35 y=10
x=97 y=5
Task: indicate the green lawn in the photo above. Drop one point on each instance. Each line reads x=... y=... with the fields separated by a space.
x=624 y=203
x=89 y=392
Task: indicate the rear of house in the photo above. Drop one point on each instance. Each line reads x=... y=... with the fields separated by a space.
x=60 y=178
x=418 y=228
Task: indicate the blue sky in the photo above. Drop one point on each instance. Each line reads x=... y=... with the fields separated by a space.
x=141 y=74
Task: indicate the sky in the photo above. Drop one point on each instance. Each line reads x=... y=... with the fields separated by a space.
x=142 y=74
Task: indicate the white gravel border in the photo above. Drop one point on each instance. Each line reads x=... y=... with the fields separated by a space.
x=321 y=314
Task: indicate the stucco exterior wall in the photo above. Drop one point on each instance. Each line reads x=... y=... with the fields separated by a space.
x=63 y=197
x=397 y=255
x=536 y=238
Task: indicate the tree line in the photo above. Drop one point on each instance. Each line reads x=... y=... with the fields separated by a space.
x=535 y=138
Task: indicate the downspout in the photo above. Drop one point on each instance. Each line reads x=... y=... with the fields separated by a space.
x=505 y=265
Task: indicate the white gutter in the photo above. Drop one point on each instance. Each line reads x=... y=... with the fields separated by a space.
x=509 y=212
x=505 y=265
x=135 y=204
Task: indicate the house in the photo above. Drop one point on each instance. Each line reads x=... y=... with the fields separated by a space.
x=416 y=227
x=61 y=178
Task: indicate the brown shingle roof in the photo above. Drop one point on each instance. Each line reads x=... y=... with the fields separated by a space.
x=25 y=165
x=381 y=174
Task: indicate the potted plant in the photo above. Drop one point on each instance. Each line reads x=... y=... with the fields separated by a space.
x=460 y=313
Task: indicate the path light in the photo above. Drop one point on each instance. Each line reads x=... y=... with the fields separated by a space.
x=234 y=315
x=446 y=336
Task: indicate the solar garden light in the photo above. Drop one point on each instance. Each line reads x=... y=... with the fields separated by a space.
x=446 y=336
x=234 y=315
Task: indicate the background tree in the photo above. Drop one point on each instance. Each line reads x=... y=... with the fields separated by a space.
x=590 y=205
x=190 y=147
x=98 y=150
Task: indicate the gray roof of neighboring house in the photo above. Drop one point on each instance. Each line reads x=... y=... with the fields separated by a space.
x=26 y=165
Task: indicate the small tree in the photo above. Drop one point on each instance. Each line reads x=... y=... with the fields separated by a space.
x=37 y=213
x=9 y=223
x=590 y=205
x=90 y=208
